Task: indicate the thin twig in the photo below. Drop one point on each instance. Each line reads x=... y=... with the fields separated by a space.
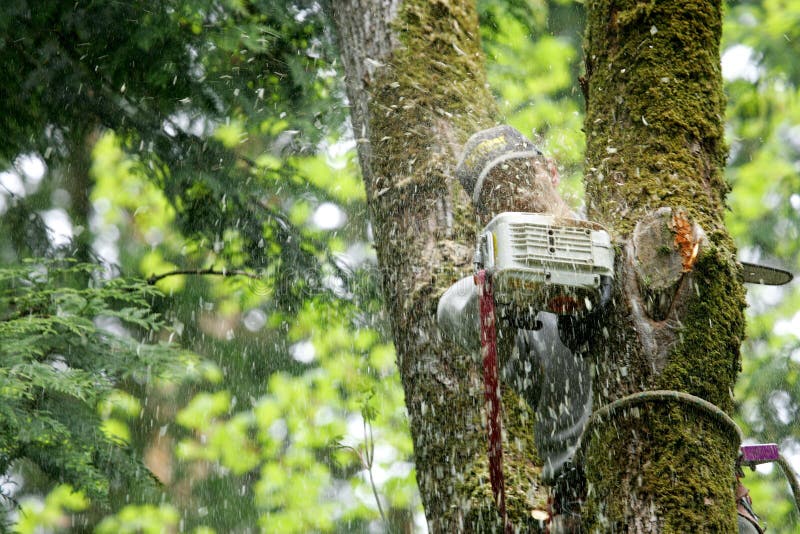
x=365 y=458
x=369 y=451
x=201 y=272
x=794 y=482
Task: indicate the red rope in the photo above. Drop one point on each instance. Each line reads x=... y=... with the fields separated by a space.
x=491 y=392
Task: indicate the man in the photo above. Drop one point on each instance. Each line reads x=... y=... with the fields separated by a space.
x=503 y=171
x=554 y=381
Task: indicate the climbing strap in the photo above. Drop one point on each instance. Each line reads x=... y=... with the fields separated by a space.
x=491 y=391
x=644 y=397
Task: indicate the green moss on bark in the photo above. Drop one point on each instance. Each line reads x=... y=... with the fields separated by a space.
x=526 y=498
x=673 y=462
x=430 y=97
x=655 y=104
x=523 y=468
x=706 y=360
x=655 y=138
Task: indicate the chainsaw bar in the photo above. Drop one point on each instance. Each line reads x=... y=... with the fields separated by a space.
x=761 y=274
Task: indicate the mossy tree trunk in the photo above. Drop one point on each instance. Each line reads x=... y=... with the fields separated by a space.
x=416 y=84
x=654 y=157
x=655 y=154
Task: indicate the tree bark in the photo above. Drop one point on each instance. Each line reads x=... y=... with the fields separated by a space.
x=415 y=81
x=654 y=158
x=77 y=182
x=655 y=154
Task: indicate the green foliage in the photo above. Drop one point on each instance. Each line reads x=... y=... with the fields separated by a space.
x=290 y=438
x=52 y=513
x=177 y=82
x=216 y=153
x=66 y=345
x=142 y=519
x=763 y=87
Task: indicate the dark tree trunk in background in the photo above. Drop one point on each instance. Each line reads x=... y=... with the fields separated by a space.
x=417 y=91
x=77 y=182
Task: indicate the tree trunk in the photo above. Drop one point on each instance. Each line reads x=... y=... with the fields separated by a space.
x=77 y=182
x=655 y=140
x=417 y=90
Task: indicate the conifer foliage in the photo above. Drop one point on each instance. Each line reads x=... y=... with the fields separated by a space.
x=65 y=345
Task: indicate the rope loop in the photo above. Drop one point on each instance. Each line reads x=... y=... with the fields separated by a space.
x=659 y=395
x=687 y=399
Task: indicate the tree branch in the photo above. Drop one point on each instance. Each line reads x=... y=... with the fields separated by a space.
x=152 y=279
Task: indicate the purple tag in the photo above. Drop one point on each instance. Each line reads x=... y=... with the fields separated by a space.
x=759 y=454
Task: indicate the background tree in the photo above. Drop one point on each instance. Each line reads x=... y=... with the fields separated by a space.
x=207 y=147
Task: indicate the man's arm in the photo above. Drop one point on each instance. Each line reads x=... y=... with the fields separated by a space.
x=457 y=314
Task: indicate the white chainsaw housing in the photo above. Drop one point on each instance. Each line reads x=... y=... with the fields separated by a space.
x=544 y=263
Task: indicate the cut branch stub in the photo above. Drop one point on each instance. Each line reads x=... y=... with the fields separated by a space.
x=666 y=244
